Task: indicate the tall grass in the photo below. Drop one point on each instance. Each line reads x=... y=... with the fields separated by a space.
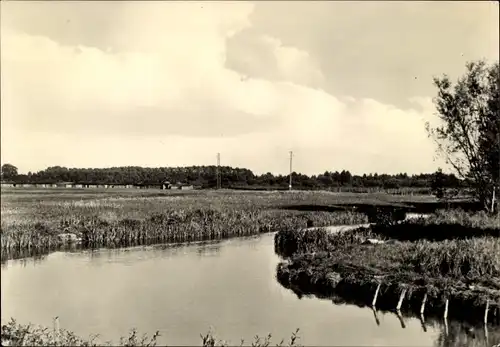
x=127 y=221
x=469 y=259
x=443 y=225
x=466 y=270
x=354 y=273
x=290 y=242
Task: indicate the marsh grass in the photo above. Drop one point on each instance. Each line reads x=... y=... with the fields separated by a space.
x=467 y=259
x=325 y=276
x=465 y=270
x=443 y=225
x=290 y=242
x=121 y=221
x=15 y=334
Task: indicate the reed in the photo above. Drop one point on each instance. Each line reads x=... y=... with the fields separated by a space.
x=130 y=221
x=15 y=334
x=351 y=283
x=465 y=270
x=460 y=259
x=443 y=225
x=290 y=242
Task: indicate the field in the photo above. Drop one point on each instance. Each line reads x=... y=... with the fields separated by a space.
x=33 y=219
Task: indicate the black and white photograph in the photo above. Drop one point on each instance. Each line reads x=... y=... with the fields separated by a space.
x=250 y=173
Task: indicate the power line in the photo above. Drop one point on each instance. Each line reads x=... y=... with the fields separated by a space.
x=290 y=185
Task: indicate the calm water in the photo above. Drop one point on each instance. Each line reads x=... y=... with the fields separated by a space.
x=182 y=291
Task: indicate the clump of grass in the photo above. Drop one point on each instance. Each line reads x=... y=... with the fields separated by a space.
x=480 y=220
x=14 y=334
x=210 y=340
x=472 y=258
x=289 y=242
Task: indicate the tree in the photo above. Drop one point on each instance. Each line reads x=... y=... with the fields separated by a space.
x=469 y=134
x=9 y=171
x=444 y=187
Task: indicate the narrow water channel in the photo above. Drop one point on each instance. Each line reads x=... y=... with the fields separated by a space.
x=182 y=291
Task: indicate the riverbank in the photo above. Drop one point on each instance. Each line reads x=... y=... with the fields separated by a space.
x=458 y=276
x=174 y=226
x=36 y=222
x=49 y=221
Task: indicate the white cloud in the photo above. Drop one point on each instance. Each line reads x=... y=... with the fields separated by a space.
x=166 y=97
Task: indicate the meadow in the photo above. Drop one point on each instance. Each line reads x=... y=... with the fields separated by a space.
x=33 y=219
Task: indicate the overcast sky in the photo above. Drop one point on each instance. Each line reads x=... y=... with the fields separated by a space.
x=344 y=85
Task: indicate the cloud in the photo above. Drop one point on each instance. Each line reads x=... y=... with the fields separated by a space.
x=266 y=57
x=164 y=94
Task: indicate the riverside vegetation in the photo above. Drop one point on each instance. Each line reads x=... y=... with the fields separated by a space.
x=32 y=222
x=446 y=264
x=14 y=334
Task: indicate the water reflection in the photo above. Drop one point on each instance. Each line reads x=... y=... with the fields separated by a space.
x=183 y=290
x=208 y=250
x=457 y=334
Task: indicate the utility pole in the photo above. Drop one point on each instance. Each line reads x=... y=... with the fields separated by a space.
x=290 y=185
x=218 y=171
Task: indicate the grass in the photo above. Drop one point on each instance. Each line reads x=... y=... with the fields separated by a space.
x=15 y=334
x=466 y=271
x=443 y=225
x=32 y=220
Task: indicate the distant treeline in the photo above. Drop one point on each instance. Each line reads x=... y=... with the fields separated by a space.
x=205 y=176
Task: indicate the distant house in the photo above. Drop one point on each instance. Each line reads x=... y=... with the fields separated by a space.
x=153 y=185
x=64 y=184
x=43 y=185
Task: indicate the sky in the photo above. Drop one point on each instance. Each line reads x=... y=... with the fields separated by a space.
x=344 y=85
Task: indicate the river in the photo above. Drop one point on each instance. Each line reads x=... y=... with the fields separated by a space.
x=182 y=291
